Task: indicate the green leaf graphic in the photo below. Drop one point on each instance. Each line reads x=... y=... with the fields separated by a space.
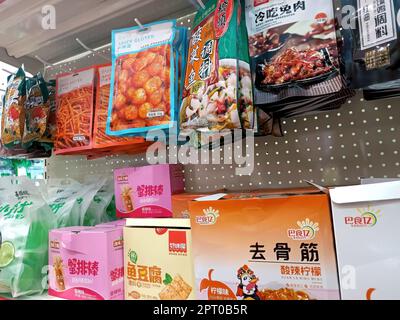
x=133 y=256
x=168 y=279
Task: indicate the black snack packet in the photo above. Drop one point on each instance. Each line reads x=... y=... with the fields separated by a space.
x=371 y=46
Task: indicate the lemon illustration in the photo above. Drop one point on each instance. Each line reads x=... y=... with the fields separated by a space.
x=373 y=217
x=7 y=253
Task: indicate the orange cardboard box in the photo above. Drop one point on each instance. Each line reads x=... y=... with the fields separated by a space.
x=180 y=203
x=267 y=246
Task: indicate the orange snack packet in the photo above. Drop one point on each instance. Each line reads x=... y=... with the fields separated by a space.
x=74 y=114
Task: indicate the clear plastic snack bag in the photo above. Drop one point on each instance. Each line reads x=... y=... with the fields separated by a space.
x=25 y=221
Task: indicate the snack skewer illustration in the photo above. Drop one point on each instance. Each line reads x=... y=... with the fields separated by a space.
x=59 y=272
x=127 y=198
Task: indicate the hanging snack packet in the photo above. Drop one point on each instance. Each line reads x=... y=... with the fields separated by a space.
x=75 y=96
x=25 y=222
x=211 y=96
x=293 y=49
x=13 y=117
x=37 y=109
x=371 y=45
x=100 y=138
x=144 y=79
x=51 y=128
x=248 y=112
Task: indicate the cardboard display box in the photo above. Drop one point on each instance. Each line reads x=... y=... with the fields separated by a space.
x=157 y=260
x=145 y=192
x=264 y=246
x=366 y=219
x=86 y=263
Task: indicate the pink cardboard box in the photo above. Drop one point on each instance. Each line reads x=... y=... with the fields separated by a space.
x=113 y=224
x=146 y=192
x=86 y=263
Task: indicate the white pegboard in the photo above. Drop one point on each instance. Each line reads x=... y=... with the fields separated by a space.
x=361 y=140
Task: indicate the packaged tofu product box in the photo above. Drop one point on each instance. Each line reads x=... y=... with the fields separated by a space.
x=264 y=247
x=157 y=260
x=366 y=219
x=145 y=192
x=86 y=263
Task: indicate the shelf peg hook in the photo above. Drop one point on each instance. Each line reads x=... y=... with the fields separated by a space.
x=139 y=24
x=201 y=4
x=45 y=64
x=84 y=46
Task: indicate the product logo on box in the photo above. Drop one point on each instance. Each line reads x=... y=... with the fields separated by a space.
x=307 y=230
x=123 y=178
x=132 y=255
x=321 y=17
x=177 y=242
x=118 y=243
x=54 y=245
x=367 y=217
x=210 y=217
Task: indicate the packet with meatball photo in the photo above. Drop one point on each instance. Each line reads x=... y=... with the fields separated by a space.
x=101 y=140
x=293 y=49
x=144 y=85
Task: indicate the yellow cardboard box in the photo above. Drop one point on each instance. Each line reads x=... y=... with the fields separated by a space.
x=157 y=260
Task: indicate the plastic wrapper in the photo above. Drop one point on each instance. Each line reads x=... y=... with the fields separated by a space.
x=217 y=93
x=371 y=46
x=13 y=115
x=69 y=200
x=144 y=81
x=293 y=49
x=100 y=138
x=75 y=98
x=268 y=124
x=37 y=108
x=51 y=128
x=25 y=221
x=102 y=207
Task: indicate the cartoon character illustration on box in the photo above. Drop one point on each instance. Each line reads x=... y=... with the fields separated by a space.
x=247 y=288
